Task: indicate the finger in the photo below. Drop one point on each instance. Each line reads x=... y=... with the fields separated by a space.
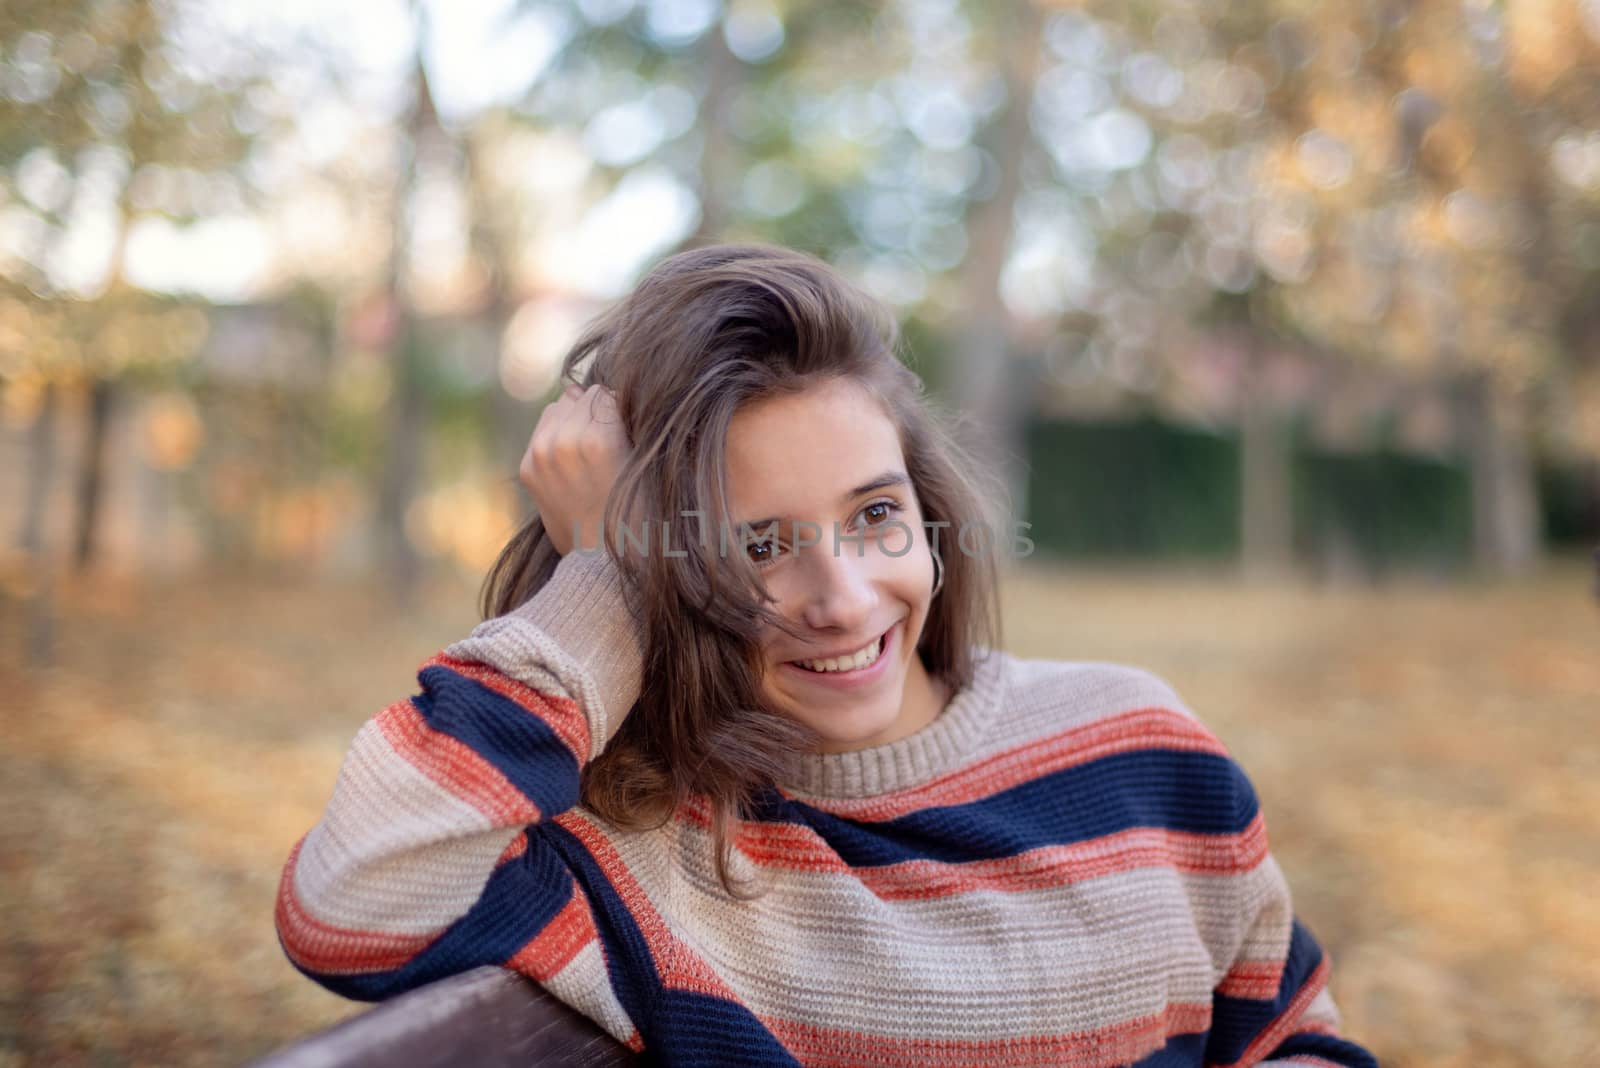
x=549 y=419
x=603 y=406
x=569 y=427
x=553 y=422
x=594 y=400
x=565 y=411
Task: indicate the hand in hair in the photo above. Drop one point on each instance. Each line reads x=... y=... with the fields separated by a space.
x=572 y=460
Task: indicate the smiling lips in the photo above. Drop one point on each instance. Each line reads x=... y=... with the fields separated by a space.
x=864 y=657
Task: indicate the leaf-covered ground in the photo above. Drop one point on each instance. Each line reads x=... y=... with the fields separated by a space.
x=1428 y=759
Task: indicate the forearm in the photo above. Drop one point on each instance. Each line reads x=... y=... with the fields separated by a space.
x=429 y=816
x=577 y=640
x=1272 y=1005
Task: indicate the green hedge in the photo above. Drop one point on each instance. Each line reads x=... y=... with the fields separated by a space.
x=1389 y=509
x=1569 y=496
x=1132 y=489
x=1145 y=488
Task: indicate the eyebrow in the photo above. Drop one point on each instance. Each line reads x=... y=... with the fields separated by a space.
x=883 y=481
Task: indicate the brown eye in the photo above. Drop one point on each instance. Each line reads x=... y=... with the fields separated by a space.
x=878 y=513
x=762 y=552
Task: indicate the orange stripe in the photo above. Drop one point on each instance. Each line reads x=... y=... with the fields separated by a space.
x=679 y=967
x=1145 y=728
x=455 y=766
x=1052 y=866
x=1258 y=979
x=560 y=713
x=1286 y=1023
x=794 y=847
x=323 y=947
x=1117 y=1044
x=553 y=948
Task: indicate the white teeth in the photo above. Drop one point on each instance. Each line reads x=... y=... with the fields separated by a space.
x=856 y=662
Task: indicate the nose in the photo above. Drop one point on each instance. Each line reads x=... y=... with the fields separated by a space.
x=839 y=591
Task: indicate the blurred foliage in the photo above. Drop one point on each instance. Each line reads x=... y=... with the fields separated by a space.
x=1407 y=194
x=105 y=117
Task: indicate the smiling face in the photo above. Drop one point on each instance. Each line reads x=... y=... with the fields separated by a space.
x=824 y=460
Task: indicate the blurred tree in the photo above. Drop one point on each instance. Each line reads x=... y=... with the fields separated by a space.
x=424 y=145
x=496 y=231
x=720 y=163
x=111 y=110
x=1408 y=190
x=990 y=381
x=1472 y=265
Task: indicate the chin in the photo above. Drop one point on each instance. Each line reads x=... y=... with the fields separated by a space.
x=855 y=730
x=843 y=724
x=846 y=714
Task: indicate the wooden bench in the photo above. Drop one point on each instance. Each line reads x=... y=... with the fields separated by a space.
x=485 y=1018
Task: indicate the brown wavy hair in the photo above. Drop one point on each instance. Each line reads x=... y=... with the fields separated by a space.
x=704 y=333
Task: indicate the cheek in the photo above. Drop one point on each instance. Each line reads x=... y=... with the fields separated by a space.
x=774 y=641
x=907 y=582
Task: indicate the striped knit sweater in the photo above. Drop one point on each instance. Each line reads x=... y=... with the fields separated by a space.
x=1065 y=868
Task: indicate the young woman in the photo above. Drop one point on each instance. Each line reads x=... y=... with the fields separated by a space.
x=735 y=767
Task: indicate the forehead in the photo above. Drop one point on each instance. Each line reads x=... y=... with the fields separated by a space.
x=795 y=455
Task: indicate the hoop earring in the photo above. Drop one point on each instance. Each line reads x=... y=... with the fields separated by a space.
x=938 y=575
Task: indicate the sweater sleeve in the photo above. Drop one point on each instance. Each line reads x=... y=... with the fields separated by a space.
x=1272 y=1006
x=433 y=855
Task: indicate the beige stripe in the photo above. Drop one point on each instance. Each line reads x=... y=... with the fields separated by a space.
x=977 y=966
x=1047 y=697
x=584 y=985
x=395 y=851
x=1038 y=699
x=1323 y=1010
x=1269 y=912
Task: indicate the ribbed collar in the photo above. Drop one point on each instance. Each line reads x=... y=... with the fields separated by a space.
x=939 y=747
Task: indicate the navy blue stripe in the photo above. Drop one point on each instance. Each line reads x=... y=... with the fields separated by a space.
x=1181 y=1051
x=517 y=742
x=1329 y=1048
x=1198 y=793
x=1236 y=1022
x=700 y=1029
x=518 y=901
x=632 y=970
x=678 y=1027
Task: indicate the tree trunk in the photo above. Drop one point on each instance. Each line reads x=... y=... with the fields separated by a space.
x=510 y=420
x=41 y=472
x=1505 y=513
x=718 y=153
x=408 y=402
x=407 y=428
x=41 y=476
x=984 y=382
x=91 y=475
x=1266 y=506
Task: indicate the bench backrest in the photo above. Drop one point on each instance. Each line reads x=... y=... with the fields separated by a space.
x=487 y=1018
